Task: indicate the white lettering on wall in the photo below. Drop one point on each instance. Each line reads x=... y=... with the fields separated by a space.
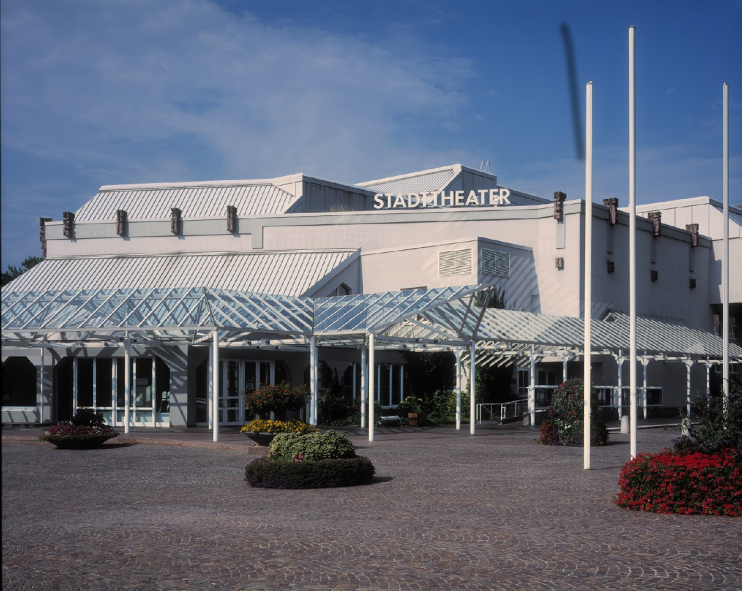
x=476 y=198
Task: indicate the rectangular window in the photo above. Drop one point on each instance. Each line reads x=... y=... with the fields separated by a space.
x=454 y=262
x=495 y=263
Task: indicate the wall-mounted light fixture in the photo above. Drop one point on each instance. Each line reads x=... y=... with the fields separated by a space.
x=612 y=205
x=692 y=283
x=231 y=218
x=559 y=263
x=693 y=229
x=611 y=266
x=68 y=224
x=655 y=275
x=42 y=234
x=175 y=220
x=559 y=198
x=121 y=221
x=656 y=217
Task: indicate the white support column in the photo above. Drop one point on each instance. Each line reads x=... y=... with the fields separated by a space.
x=272 y=370
x=153 y=392
x=312 y=380
x=688 y=365
x=565 y=357
x=74 y=385
x=472 y=387
x=210 y=388
x=378 y=384
x=391 y=372
x=95 y=383
x=632 y=242
x=114 y=391
x=40 y=390
x=725 y=257
x=364 y=386
x=587 y=314
x=708 y=384
x=458 y=389
x=619 y=400
x=371 y=398
x=134 y=381
x=645 y=362
x=127 y=382
x=215 y=384
x=401 y=382
x=532 y=389
x=355 y=365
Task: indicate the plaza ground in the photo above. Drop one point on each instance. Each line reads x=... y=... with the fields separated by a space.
x=169 y=509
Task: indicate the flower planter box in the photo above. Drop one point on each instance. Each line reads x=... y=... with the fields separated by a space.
x=260 y=438
x=416 y=419
x=80 y=442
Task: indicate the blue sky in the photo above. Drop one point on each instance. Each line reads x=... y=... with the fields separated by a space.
x=108 y=92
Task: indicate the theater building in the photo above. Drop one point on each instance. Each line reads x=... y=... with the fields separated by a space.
x=272 y=250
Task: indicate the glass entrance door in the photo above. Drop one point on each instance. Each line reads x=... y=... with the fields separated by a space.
x=238 y=376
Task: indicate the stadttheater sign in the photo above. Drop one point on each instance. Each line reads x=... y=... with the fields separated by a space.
x=475 y=198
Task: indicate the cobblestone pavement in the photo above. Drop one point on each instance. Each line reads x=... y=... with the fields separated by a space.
x=447 y=511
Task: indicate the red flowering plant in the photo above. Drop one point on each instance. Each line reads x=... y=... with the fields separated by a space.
x=685 y=483
x=565 y=422
x=277 y=399
x=703 y=471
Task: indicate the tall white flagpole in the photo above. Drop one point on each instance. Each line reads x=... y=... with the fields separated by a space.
x=725 y=262
x=587 y=349
x=632 y=244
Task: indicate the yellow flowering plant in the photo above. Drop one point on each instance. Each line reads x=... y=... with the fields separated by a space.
x=267 y=426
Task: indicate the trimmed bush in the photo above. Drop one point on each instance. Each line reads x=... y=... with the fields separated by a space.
x=686 y=483
x=293 y=474
x=712 y=429
x=565 y=423
x=312 y=447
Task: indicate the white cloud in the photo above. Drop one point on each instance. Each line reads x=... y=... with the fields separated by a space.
x=137 y=91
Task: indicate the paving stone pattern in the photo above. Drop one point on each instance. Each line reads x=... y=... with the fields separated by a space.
x=447 y=511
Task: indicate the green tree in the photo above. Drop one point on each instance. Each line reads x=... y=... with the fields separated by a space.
x=14 y=271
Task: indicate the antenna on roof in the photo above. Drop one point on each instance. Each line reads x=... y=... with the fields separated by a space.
x=485 y=166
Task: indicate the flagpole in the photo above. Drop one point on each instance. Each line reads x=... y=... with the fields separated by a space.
x=587 y=348
x=632 y=244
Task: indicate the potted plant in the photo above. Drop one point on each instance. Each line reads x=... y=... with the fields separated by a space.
x=413 y=406
x=86 y=430
x=277 y=399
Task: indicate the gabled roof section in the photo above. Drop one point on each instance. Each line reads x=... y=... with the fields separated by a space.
x=195 y=200
x=280 y=273
x=435 y=179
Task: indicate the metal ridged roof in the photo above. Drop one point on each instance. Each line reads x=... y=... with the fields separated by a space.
x=287 y=273
x=194 y=202
x=415 y=183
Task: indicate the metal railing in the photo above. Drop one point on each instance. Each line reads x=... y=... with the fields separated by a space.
x=646 y=397
x=500 y=411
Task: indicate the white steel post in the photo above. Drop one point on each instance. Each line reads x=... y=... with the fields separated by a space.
x=645 y=362
x=40 y=391
x=127 y=382
x=458 y=389
x=472 y=387
x=355 y=366
x=215 y=384
x=401 y=382
x=114 y=391
x=632 y=242
x=364 y=386
x=210 y=388
x=619 y=399
x=587 y=346
x=565 y=357
x=153 y=391
x=725 y=261
x=688 y=366
x=391 y=375
x=95 y=383
x=532 y=389
x=74 y=384
x=312 y=380
x=372 y=397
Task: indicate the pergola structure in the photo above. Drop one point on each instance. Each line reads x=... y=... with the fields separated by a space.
x=451 y=318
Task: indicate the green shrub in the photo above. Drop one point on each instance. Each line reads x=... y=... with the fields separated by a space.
x=277 y=399
x=335 y=409
x=87 y=417
x=312 y=447
x=565 y=423
x=712 y=429
x=273 y=473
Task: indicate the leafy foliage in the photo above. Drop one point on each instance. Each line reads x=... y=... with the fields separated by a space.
x=13 y=271
x=672 y=482
x=268 y=426
x=87 y=417
x=712 y=429
x=86 y=429
x=313 y=447
x=565 y=423
x=277 y=398
x=325 y=473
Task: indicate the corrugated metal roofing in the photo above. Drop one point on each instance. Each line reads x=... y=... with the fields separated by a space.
x=282 y=273
x=414 y=183
x=194 y=202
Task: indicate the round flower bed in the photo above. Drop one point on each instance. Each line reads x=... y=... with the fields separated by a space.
x=314 y=460
x=78 y=437
x=687 y=483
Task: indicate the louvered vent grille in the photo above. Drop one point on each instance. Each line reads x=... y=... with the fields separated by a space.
x=454 y=262
x=495 y=263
